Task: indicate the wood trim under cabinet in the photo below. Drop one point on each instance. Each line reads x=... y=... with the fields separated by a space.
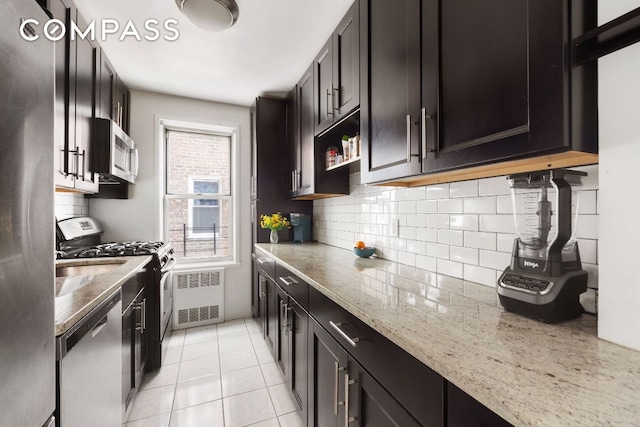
x=552 y=161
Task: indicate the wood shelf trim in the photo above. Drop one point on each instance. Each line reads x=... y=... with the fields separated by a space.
x=607 y=38
x=348 y=162
x=552 y=161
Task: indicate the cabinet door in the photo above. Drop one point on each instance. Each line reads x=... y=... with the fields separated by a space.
x=293 y=141
x=390 y=89
x=282 y=354
x=61 y=157
x=106 y=92
x=346 y=63
x=328 y=363
x=85 y=90
x=495 y=80
x=297 y=380
x=323 y=88
x=121 y=105
x=306 y=178
x=369 y=404
x=271 y=315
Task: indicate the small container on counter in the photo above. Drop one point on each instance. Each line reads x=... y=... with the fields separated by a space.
x=346 y=147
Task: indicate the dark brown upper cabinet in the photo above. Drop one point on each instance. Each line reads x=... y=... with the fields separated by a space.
x=390 y=94
x=496 y=88
x=75 y=107
x=337 y=73
x=107 y=86
x=309 y=178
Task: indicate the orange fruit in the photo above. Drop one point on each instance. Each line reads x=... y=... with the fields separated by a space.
x=360 y=244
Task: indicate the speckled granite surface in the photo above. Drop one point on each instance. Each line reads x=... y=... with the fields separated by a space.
x=531 y=374
x=77 y=295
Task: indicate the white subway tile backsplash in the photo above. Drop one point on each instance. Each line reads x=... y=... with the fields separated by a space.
x=504 y=205
x=417 y=220
x=494 y=186
x=416 y=193
x=427 y=234
x=450 y=206
x=463 y=229
x=450 y=268
x=480 y=240
x=495 y=260
x=587 y=227
x=480 y=205
x=438 y=250
x=463 y=255
x=588 y=203
x=407 y=207
x=438 y=191
x=497 y=224
x=438 y=220
x=451 y=237
x=464 y=222
x=463 y=189
x=505 y=242
x=427 y=206
x=484 y=276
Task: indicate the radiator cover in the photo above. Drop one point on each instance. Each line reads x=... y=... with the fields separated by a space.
x=198 y=297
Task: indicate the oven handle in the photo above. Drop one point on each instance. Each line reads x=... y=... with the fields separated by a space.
x=168 y=266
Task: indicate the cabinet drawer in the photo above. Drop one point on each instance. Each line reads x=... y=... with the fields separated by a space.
x=297 y=288
x=415 y=386
x=265 y=263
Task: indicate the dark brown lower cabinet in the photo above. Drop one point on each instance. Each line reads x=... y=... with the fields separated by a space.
x=369 y=404
x=297 y=380
x=464 y=411
x=327 y=364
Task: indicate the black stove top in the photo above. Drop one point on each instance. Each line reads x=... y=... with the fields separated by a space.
x=112 y=250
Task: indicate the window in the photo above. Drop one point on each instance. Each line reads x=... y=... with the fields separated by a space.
x=198 y=191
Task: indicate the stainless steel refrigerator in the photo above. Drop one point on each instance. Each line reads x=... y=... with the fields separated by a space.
x=27 y=278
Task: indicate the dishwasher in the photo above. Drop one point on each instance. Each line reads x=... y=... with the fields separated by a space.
x=88 y=367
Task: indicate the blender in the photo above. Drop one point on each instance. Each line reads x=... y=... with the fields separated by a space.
x=545 y=278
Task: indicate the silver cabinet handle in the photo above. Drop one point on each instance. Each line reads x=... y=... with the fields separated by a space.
x=423 y=120
x=352 y=341
x=282 y=311
x=144 y=314
x=347 y=383
x=330 y=103
x=336 y=380
x=289 y=322
x=288 y=280
x=262 y=261
x=336 y=91
x=261 y=282
x=408 y=138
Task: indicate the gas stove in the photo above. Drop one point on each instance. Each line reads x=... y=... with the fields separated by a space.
x=115 y=249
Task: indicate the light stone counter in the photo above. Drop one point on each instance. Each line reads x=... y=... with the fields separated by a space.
x=527 y=372
x=77 y=295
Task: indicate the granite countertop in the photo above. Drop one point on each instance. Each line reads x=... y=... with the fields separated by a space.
x=529 y=373
x=77 y=295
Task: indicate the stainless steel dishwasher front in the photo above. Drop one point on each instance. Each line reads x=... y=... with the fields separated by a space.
x=89 y=368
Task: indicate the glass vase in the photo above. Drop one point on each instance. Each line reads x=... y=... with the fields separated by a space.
x=273 y=237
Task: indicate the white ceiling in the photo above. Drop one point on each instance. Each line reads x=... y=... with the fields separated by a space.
x=265 y=52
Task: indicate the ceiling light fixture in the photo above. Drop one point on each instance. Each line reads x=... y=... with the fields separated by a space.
x=210 y=15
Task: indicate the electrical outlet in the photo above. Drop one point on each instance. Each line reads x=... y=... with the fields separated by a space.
x=395 y=227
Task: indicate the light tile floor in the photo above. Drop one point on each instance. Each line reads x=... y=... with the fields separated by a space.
x=218 y=375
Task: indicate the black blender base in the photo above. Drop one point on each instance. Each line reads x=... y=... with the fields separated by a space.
x=565 y=306
x=553 y=312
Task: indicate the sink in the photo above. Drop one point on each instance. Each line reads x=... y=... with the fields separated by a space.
x=86 y=269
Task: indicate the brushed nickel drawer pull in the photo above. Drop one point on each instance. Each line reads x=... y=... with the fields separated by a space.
x=352 y=341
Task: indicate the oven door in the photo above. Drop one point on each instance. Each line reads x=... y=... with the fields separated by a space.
x=166 y=299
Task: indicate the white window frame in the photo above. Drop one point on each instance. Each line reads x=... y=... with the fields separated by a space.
x=191 y=206
x=164 y=124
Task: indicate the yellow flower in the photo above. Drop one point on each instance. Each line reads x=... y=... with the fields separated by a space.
x=274 y=221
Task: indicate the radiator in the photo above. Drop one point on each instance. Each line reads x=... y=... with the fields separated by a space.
x=198 y=297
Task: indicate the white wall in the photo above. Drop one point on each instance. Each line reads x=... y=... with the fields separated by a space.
x=137 y=218
x=619 y=113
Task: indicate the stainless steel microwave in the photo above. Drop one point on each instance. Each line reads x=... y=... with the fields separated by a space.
x=115 y=153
